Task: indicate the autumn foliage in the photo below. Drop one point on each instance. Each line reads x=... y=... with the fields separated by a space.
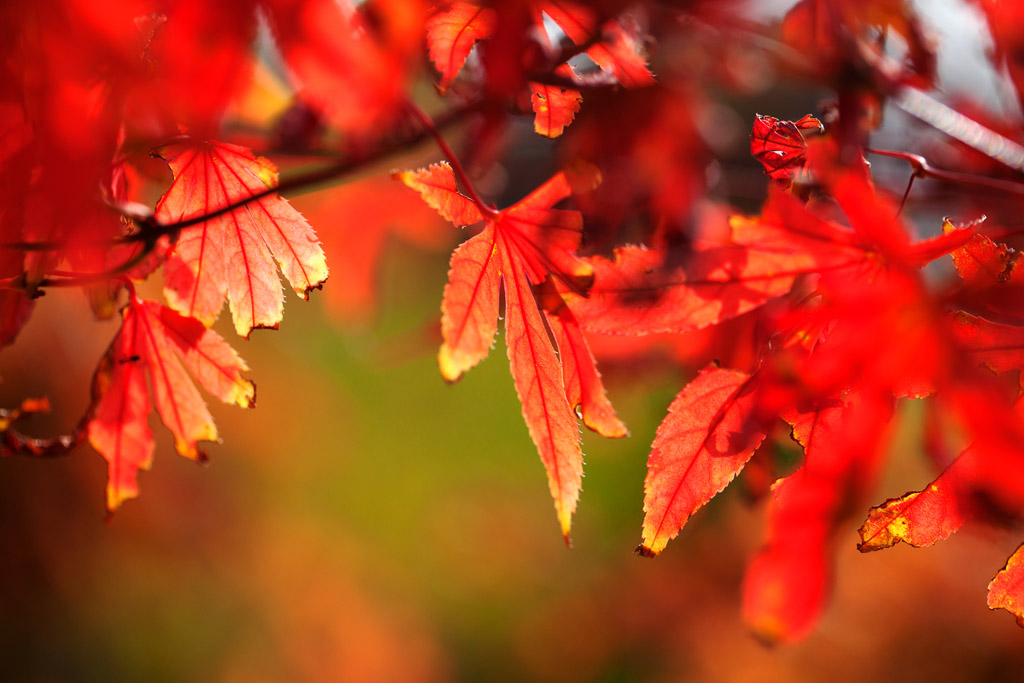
x=140 y=144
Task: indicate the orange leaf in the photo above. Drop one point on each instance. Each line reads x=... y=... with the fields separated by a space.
x=921 y=518
x=638 y=294
x=160 y=343
x=118 y=428
x=701 y=445
x=469 y=309
x=554 y=108
x=583 y=386
x=1006 y=591
x=436 y=184
x=525 y=244
x=538 y=380
x=235 y=255
x=451 y=34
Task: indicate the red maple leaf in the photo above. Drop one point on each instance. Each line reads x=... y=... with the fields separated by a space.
x=157 y=342
x=522 y=246
x=701 y=445
x=451 y=34
x=234 y=255
x=638 y=293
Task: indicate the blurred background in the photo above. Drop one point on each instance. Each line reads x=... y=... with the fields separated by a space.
x=366 y=522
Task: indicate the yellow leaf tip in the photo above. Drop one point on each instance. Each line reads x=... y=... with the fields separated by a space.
x=450 y=370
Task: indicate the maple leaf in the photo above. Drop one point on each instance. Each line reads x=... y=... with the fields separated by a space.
x=621 y=54
x=780 y=145
x=990 y=274
x=235 y=255
x=436 y=185
x=452 y=33
x=583 y=386
x=982 y=263
x=636 y=293
x=554 y=107
x=787 y=581
x=1006 y=590
x=523 y=245
x=702 y=444
x=157 y=341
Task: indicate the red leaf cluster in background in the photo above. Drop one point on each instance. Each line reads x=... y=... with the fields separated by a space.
x=830 y=301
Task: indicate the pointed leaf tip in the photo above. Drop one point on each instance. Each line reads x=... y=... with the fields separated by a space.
x=436 y=184
x=701 y=445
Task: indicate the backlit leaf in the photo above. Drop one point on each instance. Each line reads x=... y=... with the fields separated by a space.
x=436 y=184
x=469 y=309
x=701 y=445
x=524 y=245
x=538 y=380
x=554 y=108
x=157 y=342
x=235 y=255
x=921 y=518
x=583 y=385
x=788 y=581
x=1006 y=591
x=638 y=293
x=451 y=34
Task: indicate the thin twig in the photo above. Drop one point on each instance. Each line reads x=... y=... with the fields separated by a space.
x=925 y=170
x=460 y=172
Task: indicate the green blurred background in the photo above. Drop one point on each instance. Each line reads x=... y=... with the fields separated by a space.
x=366 y=522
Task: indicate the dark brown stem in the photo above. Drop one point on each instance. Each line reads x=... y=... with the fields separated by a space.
x=906 y=195
x=13 y=442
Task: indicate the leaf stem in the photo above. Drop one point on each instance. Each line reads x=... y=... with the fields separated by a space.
x=925 y=170
x=460 y=172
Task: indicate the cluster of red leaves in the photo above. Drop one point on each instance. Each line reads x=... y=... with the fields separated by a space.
x=828 y=278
